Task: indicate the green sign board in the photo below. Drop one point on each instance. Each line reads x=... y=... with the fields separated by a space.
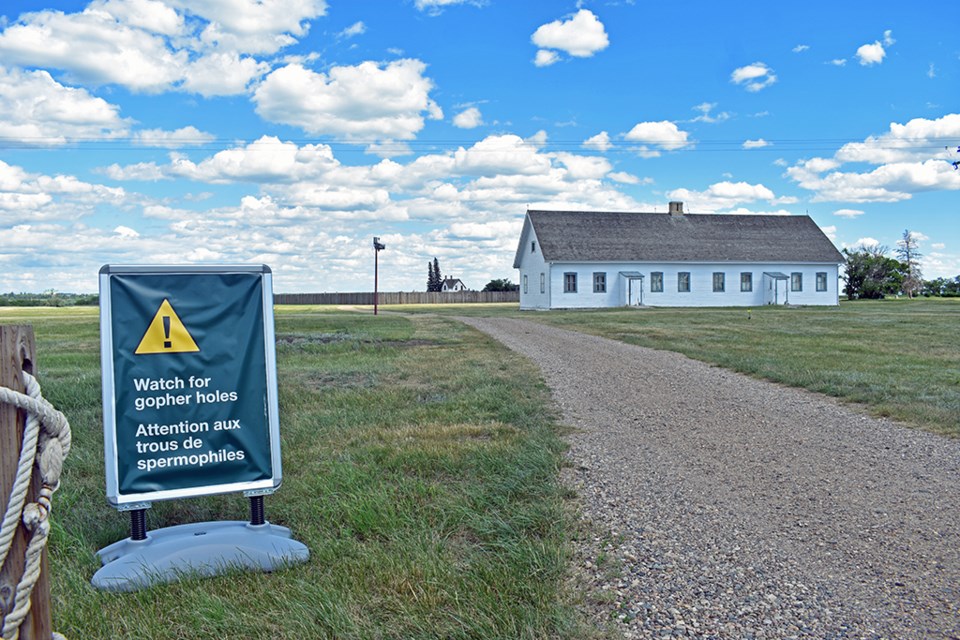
x=189 y=381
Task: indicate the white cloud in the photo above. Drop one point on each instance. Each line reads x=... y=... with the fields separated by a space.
x=356 y=29
x=310 y=217
x=753 y=77
x=830 y=231
x=545 y=58
x=495 y=155
x=584 y=167
x=182 y=137
x=150 y=15
x=36 y=109
x=150 y=46
x=903 y=142
x=580 y=36
x=94 y=47
x=664 y=134
x=265 y=160
x=479 y=230
x=538 y=140
x=848 y=213
x=931 y=71
x=366 y=102
x=38 y=197
x=600 y=142
x=838 y=62
x=434 y=7
x=800 y=48
x=705 y=110
x=905 y=164
x=870 y=54
x=253 y=26
x=469 y=118
x=759 y=143
x=938 y=245
x=222 y=74
x=722 y=195
x=866 y=242
x=888 y=183
x=148 y=171
x=628 y=178
x=389 y=149
x=126 y=232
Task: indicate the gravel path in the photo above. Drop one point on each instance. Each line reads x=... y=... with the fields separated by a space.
x=726 y=507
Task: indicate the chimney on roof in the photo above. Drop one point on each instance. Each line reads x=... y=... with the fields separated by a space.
x=676 y=208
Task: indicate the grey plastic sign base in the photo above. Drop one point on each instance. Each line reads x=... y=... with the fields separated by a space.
x=198 y=549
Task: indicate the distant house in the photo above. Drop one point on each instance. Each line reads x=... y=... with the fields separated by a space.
x=588 y=259
x=453 y=284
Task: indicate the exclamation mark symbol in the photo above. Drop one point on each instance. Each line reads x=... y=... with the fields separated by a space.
x=166 y=333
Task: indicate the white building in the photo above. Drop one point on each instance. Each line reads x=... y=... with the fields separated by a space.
x=589 y=259
x=453 y=284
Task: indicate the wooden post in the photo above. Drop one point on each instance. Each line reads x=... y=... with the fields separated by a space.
x=17 y=354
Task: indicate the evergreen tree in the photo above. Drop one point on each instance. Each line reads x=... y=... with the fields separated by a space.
x=438 y=278
x=434 y=279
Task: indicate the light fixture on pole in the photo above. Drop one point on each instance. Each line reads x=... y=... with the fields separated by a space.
x=377 y=248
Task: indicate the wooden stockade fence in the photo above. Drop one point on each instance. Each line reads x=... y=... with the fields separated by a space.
x=398 y=297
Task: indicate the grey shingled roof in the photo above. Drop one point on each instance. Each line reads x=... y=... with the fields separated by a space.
x=596 y=236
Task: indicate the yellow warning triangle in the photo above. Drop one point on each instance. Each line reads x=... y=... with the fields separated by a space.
x=166 y=334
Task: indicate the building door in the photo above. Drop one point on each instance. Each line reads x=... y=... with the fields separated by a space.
x=632 y=288
x=773 y=292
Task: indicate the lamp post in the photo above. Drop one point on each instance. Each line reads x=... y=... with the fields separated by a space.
x=377 y=248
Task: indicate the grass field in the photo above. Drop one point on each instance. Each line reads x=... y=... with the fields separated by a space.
x=420 y=468
x=896 y=358
x=421 y=459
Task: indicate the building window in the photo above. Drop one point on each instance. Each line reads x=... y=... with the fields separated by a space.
x=821 y=280
x=533 y=246
x=524 y=283
x=599 y=282
x=656 y=282
x=683 y=282
x=746 y=281
x=796 y=281
x=719 y=281
x=543 y=283
x=569 y=283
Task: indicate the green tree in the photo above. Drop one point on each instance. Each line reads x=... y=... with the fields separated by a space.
x=870 y=273
x=431 y=278
x=501 y=284
x=438 y=277
x=434 y=279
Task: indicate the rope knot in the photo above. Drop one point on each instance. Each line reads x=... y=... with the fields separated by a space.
x=46 y=433
x=35 y=516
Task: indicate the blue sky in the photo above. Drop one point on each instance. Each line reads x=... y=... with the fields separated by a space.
x=290 y=132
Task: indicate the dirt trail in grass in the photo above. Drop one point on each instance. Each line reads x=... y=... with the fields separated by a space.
x=728 y=507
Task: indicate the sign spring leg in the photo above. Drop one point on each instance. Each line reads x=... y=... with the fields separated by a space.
x=256 y=511
x=138 y=524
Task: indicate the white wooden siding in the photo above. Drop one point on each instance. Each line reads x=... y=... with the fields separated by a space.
x=531 y=266
x=701 y=292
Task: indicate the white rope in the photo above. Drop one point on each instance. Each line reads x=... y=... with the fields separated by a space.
x=46 y=433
